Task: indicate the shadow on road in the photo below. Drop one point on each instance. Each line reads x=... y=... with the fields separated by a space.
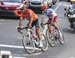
x=68 y=30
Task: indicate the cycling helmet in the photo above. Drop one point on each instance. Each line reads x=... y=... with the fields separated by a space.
x=44 y=7
x=50 y=13
x=23 y=6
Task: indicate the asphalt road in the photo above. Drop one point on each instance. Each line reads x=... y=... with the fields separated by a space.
x=10 y=39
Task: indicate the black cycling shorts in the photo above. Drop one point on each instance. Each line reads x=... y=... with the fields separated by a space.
x=35 y=23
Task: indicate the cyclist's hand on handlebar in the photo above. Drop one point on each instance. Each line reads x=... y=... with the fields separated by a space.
x=42 y=25
x=18 y=28
x=29 y=25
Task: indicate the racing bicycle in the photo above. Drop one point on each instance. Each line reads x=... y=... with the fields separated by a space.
x=29 y=38
x=54 y=35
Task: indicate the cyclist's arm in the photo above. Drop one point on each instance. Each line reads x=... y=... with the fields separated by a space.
x=20 y=22
x=42 y=20
x=17 y=12
x=30 y=21
x=43 y=17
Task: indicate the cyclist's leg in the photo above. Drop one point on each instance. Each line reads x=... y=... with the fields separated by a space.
x=38 y=33
x=50 y=34
x=55 y=23
x=33 y=24
x=49 y=26
x=36 y=24
x=37 y=29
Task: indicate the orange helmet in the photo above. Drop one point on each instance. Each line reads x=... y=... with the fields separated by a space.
x=44 y=7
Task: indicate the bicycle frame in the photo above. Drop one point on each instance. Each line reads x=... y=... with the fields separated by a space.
x=45 y=28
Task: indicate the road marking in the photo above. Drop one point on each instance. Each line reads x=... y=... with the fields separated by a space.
x=13 y=46
x=57 y=7
x=19 y=57
x=1 y=23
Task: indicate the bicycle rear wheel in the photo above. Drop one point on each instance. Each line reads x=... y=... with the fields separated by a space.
x=45 y=43
x=28 y=44
x=50 y=38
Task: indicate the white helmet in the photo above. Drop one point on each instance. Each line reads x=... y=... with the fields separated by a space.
x=22 y=6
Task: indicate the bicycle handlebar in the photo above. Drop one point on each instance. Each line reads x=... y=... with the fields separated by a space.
x=27 y=28
x=48 y=23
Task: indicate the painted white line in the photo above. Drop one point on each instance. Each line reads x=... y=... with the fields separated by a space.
x=10 y=46
x=13 y=46
x=19 y=57
x=1 y=23
x=57 y=7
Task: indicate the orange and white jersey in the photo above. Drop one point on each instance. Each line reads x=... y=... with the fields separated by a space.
x=28 y=14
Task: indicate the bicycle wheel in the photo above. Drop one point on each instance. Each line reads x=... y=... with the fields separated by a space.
x=28 y=44
x=61 y=37
x=50 y=38
x=45 y=43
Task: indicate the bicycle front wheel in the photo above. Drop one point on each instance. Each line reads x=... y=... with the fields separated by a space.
x=61 y=37
x=51 y=38
x=45 y=43
x=28 y=44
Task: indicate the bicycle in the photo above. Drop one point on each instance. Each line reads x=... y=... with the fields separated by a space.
x=28 y=40
x=54 y=35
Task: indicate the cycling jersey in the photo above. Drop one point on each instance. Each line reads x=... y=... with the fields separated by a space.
x=29 y=13
x=47 y=13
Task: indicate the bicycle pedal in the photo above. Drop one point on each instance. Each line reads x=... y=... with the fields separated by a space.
x=37 y=46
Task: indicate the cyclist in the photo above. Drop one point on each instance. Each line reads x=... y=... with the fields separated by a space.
x=52 y=17
x=32 y=17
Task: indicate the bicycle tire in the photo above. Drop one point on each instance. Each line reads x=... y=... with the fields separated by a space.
x=45 y=44
x=61 y=39
x=24 y=42
x=51 y=39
